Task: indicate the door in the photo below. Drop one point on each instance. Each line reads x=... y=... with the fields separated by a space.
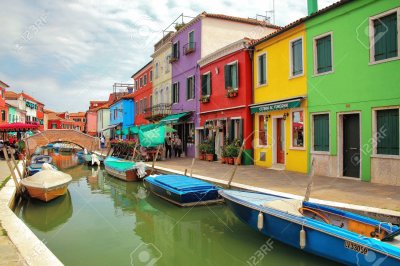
x=351 y=145
x=280 y=141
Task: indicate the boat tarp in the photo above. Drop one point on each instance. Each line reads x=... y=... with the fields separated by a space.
x=119 y=164
x=184 y=183
x=152 y=138
x=47 y=179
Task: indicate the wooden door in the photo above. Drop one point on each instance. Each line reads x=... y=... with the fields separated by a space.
x=280 y=141
x=351 y=145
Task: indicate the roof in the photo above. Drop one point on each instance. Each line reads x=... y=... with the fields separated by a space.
x=137 y=72
x=10 y=95
x=26 y=96
x=299 y=21
x=128 y=96
x=3 y=84
x=77 y=114
x=53 y=116
x=48 y=111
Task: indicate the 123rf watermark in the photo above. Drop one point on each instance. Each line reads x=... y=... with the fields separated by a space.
x=145 y=254
x=261 y=253
x=31 y=31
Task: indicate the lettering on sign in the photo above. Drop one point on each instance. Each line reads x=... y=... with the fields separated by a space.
x=357 y=248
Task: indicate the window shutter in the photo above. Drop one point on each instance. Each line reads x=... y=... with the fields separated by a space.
x=226 y=75
x=209 y=84
x=237 y=74
x=178 y=91
x=324 y=54
x=261 y=69
x=203 y=84
x=240 y=133
x=231 y=130
x=187 y=88
x=297 y=60
x=193 y=88
x=321 y=132
x=177 y=49
x=385 y=37
x=388 y=130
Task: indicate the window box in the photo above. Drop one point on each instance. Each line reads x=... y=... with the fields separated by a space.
x=231 y=93
x=173 y=59
x=205 y=98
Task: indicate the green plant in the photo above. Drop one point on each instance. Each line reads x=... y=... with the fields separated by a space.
x=202 y=147
x=224 y=151
x=210 y=148
x=232 y=150
x=21 y=145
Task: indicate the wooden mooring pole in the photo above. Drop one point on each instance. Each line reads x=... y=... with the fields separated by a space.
x=154 y=159
x=17 y=185
x=236 y=164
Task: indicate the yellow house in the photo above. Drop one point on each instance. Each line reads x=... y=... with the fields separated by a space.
x=280 y=100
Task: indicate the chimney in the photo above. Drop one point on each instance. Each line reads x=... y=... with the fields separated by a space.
x=312 y=6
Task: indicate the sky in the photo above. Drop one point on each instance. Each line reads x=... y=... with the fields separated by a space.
x=68 y=52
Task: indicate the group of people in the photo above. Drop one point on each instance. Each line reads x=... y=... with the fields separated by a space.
x=173 y=143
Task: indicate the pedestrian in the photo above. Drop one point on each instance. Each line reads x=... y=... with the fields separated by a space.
x=168 y=148
x=178 y=146
x=102 y=142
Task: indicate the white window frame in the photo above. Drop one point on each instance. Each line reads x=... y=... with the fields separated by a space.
x=189 y=36
x=312 y=151
x=375 y=133
x=206 y=73
x=237 y=69
x=266 y=70
x=304 y=130
x=315 y=54
x=372 y=36
x=291 y=76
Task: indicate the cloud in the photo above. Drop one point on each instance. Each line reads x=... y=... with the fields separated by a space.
x=66 y=53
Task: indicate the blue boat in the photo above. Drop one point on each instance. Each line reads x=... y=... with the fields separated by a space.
x=37 y=161
x=183 y=191
x=337 y=235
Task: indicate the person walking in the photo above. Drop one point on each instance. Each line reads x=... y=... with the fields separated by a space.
x=168 y=148
x=178 y=146
x=102 y=142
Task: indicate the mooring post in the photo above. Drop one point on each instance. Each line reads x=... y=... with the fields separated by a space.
x=154 y=159
x=16 y=165
x=17 y=186
x=191 y=167
x=236 y=164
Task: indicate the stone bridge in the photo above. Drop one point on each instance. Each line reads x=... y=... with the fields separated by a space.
x=61 y=135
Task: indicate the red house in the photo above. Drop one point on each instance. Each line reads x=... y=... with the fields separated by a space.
x=143 y=80
x=226 y=92
x=3 y=107
x=60 y=121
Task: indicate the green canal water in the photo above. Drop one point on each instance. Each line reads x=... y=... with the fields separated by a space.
x=104 y=221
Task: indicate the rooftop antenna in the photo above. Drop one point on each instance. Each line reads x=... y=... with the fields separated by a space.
x=271 y=13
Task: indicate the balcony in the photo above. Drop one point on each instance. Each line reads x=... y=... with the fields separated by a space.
x=157 y=112
x=173 y=58
x=189 y=48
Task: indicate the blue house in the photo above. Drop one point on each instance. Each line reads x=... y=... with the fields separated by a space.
x=122 y=115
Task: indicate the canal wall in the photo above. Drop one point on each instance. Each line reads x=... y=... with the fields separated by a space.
x=32 y=250
x=385 y=215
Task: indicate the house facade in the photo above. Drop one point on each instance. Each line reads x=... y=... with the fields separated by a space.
x=28 y=106
x=226 y=92
x=3 y=107
x=143 y=80
x=353 y=61
x=162 y=76
x=15 y=115
x=203 y=35
x=280 y=100
x=80 y=119
x=60 y=121
x=122 y=116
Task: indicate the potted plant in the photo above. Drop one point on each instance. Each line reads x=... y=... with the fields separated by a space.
x=21 y=149
x=202 y=150
x=232 y=92
x=210 y=151
x=223 y=154
x=205 y=98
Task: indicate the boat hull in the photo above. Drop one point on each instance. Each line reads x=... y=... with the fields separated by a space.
x=129 y=175
x=45 y=194
x=196 y=198
x=332 y=245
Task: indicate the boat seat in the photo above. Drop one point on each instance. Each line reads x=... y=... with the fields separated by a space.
x=290 y=206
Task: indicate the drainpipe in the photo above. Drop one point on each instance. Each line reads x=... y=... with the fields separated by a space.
x=312 y=6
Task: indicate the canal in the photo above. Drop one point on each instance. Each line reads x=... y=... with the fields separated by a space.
x=104 y=221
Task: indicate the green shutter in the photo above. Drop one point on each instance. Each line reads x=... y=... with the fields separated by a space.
x=203 y=84
x=187 y=88
x=297 y=57
x=321 y=132
x=324 y=54
x=231 y=130
x=262 y=75
x=385 y=37
x=240 y=134
x=388 y=131
x=234 y=75
x=227 y=75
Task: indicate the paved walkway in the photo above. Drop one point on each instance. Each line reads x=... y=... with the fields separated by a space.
x=324 y=188
x=8 y=252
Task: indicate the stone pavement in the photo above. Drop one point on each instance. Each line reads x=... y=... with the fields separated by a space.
x=9 y=254
x=324 y=188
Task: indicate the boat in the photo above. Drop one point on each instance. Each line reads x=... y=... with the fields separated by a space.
x=87 y=158
x=184 y=191
x=124 y=169
x=47 y=184
x=37 y=162
x=328 y=232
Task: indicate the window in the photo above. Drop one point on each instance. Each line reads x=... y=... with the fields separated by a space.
x=145 y=80
x=175 y=92
x=136 y=108
x=231 y=76
x=262 y=69
x=262 y=130
x=235 y=127
x=190 y=88
x=54 y=126
x=297 y=129
x=191 y=40
x=323 y=54
x=206 y=84
x=151 y=101
x=157 y=70
x=321 y=132
x=387 y=129
x=384 y=37
x=144 y=105
x=136 y=85
x=3 y=115
x=167 y=58
x=175 y=50
x=151 y=75
x=141 y=82
x=296 y=57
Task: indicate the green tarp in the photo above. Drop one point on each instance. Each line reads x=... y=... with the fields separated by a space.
x=174 y=118
x=152 y=138
x=125 y=131
x=118 y=132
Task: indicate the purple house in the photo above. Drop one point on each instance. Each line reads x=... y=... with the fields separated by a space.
x=203 y=35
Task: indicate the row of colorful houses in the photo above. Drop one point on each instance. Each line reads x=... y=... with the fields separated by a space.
x=321 y=93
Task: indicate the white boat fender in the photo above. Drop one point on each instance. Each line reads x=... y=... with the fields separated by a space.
x=260 y=221
x=302 y=238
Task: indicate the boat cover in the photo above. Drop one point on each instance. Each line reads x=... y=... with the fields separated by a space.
x=183 y=183
x=119 y=164
x=47 y=179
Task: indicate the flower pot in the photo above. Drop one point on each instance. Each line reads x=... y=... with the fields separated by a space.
x=223 y=160
x=234 y=161
x=201 y=156
x=230 y=160
x=210 y=157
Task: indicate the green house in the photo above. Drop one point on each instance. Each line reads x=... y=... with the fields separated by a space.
x=353 y=63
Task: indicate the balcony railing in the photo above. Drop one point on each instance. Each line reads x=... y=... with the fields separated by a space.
x=189 y=48
x=158 y=111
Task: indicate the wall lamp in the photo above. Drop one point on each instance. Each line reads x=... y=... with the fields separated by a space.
x=285 y=115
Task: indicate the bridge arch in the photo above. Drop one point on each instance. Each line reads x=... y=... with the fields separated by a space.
x=61 y=135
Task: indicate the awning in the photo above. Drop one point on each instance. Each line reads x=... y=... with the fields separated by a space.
x=278 y=105
x=111 y=127
x=18 y=127
x=175 y=118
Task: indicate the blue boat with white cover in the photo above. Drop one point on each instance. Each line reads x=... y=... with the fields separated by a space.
x=183 y=191
x=337 y=235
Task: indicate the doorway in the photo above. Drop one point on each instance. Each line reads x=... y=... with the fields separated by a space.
x=351 y=145
x=280 y=141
